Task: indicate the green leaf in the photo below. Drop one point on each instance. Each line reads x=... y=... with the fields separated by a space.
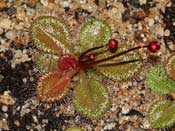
x=74 y=129
x=46 y=62
x=50 y=35
x=158 y=80
x=90 y=98
x=123 y=71
x=161 y=114
x=93 y=33
x=170 y=67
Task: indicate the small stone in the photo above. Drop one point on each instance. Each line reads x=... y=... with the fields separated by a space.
x=31 y=79
x=126 y=15
x=4 y=125
x=17 y=41
x=8 y=54
x=5 y=23
x=30 y=12
x=11 y=11
x=20 y=13
x=10 y=35
x=166 y=32
x=142 y=2
x=109 y=126
x=24 y=80
x=3 y=5
x=66 y=4
x=134 y=112
x=140 y=26
x=83 y=1
x=171 y=45
x=35 y=119
x=19 y=57
x=139 y=15
x=125 y=111
x=6 y=99
x=32 y=3
x=38 y=127
x=17 y=123
x=1 y=31
x=156 y=17
x=4 y=108
x=151 y=22
x=1 y=77
x=19 y=26
x=44 y=2
x=146 y=125
x=173 y=23
x=117 y=11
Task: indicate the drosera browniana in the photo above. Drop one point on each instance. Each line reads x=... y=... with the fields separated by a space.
x=96 y=51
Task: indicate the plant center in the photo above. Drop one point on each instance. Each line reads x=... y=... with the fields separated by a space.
x=67 y=62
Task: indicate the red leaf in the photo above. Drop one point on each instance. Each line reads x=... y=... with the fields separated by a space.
x=54 y=85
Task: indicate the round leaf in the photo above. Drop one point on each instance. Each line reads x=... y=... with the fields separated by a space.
x=54 y=85
x=50 y=35
x=93 y=33
x=90 y=98
x=161 y=114
x=158 y=80
x=120 y=71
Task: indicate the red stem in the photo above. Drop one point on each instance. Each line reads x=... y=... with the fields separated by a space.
x=89 y=50
x=91 y=63
x=119 y=63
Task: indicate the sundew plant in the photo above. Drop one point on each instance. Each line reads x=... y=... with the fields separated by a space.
x=96 y=53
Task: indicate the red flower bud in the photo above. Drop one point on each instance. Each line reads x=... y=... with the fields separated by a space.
x=154 y=46
x=113 y=44
x=91 y=56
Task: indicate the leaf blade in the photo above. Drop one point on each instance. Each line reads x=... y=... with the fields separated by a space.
x=120 y=72
x=93 y=33
x=90 y=98
x=50 y=35
x=161 y=114
x=158 y=80
x=54 y=85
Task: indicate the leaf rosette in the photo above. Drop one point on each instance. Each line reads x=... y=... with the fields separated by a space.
x=55 y=58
